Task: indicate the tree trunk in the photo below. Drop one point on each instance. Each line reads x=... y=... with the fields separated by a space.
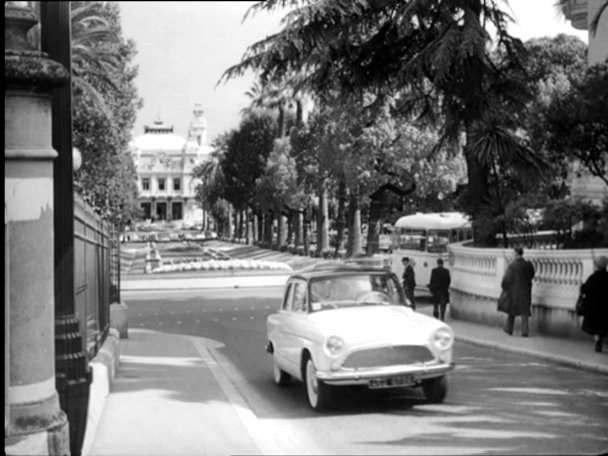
x=290 y=230
x=354 y=229
x=268 y=221
x=299 y=112
x=260 y=227
x=247 y=226
x=340 y=216
x=322 y=220
x=484 y=233
x=375 y=226
x=299 y=229
x=282 y=231
x=281 y=120
x=306 y=229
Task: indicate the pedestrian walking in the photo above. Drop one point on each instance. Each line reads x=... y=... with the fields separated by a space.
x=409 y=280
x=440 y=289
x=594 y=308
x=516 y=296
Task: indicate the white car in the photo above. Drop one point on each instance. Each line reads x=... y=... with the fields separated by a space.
x=343 y=324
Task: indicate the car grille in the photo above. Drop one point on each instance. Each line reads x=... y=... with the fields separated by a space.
x=389 y=356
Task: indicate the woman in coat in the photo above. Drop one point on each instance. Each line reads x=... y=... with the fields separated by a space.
x=595 y=303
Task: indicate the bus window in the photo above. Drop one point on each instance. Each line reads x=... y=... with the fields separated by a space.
x=438 y=241
x=454 y=236
x=411 y=239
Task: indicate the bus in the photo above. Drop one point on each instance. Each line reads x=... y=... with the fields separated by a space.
x=425 y=237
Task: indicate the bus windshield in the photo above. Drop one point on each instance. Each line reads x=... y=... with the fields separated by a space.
x=438 y=240
x=409 y=239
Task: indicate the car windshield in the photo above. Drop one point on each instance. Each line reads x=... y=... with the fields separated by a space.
x=354 y=290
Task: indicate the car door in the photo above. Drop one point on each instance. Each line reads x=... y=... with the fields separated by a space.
x=296 y=327
x=276 y=326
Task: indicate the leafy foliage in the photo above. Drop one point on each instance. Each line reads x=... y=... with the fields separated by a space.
x=247 y=151
x=577 y=121
x=105 y=107
x=431 y=57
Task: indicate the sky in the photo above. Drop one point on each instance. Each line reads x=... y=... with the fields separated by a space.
x=183 y=48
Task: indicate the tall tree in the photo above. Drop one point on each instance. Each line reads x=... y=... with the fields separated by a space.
x=105 y=108
x=245 y=158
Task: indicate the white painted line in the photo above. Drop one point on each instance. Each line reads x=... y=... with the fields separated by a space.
x=272 y=436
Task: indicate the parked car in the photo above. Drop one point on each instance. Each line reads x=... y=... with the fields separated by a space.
x=345 y=324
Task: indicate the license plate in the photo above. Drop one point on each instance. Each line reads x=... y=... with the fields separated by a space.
x=392 y=382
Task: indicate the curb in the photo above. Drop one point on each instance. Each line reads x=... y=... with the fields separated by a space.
x=198 y=283
x=526 y=351
x=104 y=367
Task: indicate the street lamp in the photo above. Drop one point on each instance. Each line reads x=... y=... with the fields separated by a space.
x=76 y=159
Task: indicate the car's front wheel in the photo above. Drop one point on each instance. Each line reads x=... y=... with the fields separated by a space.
x=317 y=392
x=281 y=377
x=435 y=389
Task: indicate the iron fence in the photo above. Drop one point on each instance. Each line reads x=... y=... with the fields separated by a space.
x=96 y=274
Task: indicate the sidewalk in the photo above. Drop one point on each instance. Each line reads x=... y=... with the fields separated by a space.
x=162 y=377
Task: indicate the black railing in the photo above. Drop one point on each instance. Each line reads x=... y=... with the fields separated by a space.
x=96 y=274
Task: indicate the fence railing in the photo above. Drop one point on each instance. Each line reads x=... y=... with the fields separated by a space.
x=96 y=274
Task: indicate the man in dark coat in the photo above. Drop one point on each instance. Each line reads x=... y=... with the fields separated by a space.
x=439 y=287
x=409 y=280
x=595 y=302
x=516 y=297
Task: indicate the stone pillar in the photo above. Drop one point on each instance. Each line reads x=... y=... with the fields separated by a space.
x=36 y=423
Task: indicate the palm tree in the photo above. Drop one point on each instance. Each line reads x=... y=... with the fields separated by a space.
x=270 y=96
x=210 y=190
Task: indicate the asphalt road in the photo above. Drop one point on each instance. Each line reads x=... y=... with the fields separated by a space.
x=498 y=402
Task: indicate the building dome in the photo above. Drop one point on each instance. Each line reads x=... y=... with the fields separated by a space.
x=165 y=142
x=159 y=136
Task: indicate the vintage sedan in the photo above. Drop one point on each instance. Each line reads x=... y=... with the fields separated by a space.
x=342 y=324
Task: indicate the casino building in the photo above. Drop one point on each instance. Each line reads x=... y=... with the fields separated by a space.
x=164 y=162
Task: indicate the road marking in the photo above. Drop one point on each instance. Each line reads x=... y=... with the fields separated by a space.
x=272 y=436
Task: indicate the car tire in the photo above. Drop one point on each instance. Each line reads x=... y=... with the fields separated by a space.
x=435 y=389
x=281 y=377
x=317 y=392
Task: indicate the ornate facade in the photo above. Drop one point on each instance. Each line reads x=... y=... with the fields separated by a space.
x=164 y=162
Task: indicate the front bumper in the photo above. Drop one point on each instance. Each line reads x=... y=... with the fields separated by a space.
x=363 y=376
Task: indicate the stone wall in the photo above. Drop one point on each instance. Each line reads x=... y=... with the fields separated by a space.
x=477 y=273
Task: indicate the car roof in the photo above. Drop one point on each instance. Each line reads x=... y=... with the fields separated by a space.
x=328 y=268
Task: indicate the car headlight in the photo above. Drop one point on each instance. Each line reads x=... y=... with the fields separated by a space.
x=334 y=344
x=443 y=338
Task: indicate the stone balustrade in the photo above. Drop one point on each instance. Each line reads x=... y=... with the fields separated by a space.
x=477 y=274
